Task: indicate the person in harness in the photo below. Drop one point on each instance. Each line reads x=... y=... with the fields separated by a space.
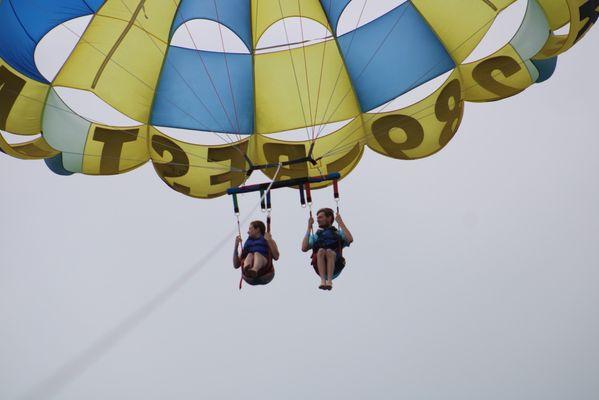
x=327 y=246
x=256 y=259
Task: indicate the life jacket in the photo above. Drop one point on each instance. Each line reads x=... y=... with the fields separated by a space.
x=258 y=245
x=328 y=238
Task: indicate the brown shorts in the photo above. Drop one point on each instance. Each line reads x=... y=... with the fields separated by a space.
x=264 y=279
x=267 y=274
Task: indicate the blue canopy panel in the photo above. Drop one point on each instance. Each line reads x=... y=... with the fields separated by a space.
x=392 y=55
x=24 y=23
x=234 y=14
x=56 y=165
x=334 y=9
x=201 y=90
x=546 y=68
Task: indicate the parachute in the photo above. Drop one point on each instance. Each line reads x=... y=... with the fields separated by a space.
x=210 y=91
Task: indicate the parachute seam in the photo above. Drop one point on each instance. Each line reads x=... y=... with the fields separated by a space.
x=312 y=121
x=351 y=143
x=371 y=58
x=227 y=67
x=234 y=145
x=463 y=91
x=151 y=114
x=170 y=147
x=75 y=47
x=320 y=79
x=341 y=67
x=137 y=78
x=20 y=22
x=209 y=77
x=117 y=44
x=297 y=85
x=87 y=5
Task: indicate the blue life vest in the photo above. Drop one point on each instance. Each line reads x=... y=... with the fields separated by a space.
x=328 y=238
x=258 y=245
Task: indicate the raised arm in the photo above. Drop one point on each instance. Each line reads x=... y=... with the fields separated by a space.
x=236 y=260
x=274 y=249
x=306 y=240
x=348 y=236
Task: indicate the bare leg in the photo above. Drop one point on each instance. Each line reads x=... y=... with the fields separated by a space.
x=331 y=256
x=248 y=262
x=259 y=262
x=322 y=266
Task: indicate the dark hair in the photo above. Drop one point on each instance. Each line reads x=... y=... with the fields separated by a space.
x=259 y=225
x=328 y=212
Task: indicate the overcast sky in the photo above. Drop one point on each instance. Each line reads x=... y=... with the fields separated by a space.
x=474 y=274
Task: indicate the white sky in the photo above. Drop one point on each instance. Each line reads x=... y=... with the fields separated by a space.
x=473 y=275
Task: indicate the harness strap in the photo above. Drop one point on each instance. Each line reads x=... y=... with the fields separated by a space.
x=240 y=260
x=302 y=195
x=336 y=193
x=268 y=212
x=236 y=205
x=262 y=202
x=336 y=189
x=267 y=208
x=268 y=202
x=309 y=199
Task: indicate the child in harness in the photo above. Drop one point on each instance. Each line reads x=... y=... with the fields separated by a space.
x=256 y=259
x=327 y=245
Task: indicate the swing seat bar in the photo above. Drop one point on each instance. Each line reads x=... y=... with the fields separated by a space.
x=284 y=183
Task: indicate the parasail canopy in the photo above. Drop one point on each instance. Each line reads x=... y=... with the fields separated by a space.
x=211 y=91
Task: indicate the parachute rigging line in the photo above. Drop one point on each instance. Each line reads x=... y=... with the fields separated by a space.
x=349 y=49
x=413 y=83
x=69 y=111
x=297 y=85
x=326 y=39
x=148 y=86
x=225 y=139
x=370 y=59
x=264 y=195
x=210 y=78
x=336 y=148
x=181 y=76
x=460 y=44
x=351 y=143
x=208 y=74
x=222 y=40
x=333 y=151
x=76 y=366
x=301 y=19
x=399 y=17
